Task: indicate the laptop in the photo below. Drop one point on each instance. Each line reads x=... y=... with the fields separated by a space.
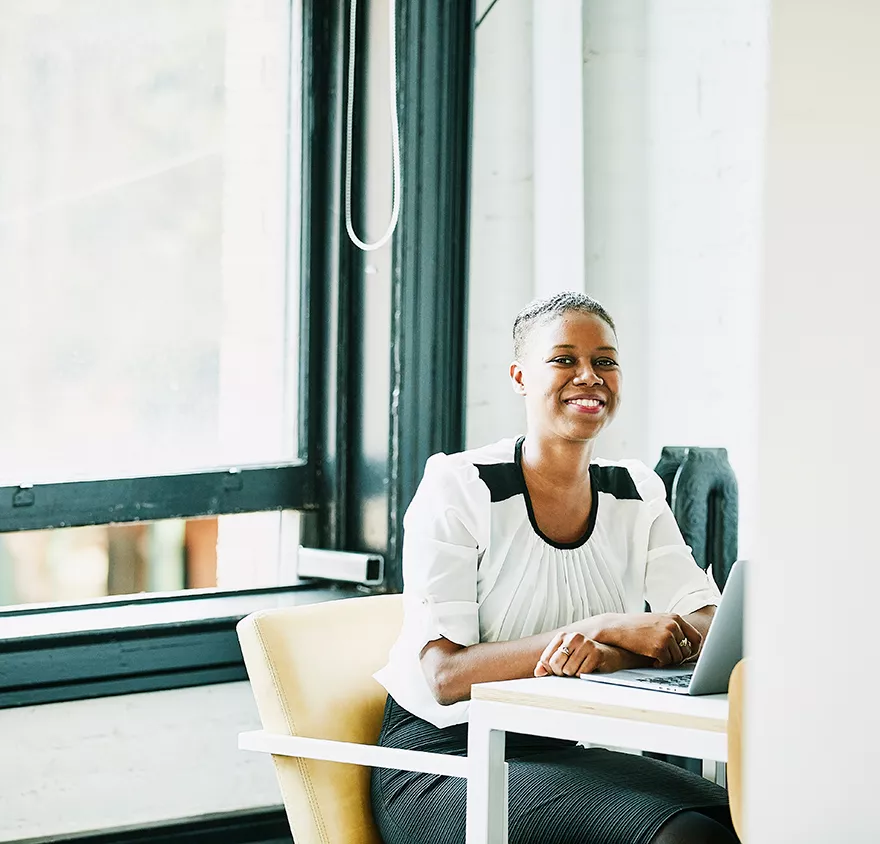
x=721 y=651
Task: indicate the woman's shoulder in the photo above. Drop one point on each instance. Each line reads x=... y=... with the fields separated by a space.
x=629 y=478
x=466 y=462
x=459 y=483
x=502 y=451
x=462 y=468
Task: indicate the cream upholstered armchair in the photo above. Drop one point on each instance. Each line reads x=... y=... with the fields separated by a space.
x=311 y=670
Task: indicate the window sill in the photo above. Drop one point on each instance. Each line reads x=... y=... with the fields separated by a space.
x=135 y=644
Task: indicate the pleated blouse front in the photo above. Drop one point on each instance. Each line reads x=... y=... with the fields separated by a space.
x=477 y=568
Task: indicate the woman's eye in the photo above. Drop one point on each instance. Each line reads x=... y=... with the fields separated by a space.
x=562 y=359
x=606 y=362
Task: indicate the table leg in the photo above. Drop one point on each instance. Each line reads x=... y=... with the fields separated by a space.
x=487 y=783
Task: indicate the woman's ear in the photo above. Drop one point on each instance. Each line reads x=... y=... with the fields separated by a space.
x=516 y=379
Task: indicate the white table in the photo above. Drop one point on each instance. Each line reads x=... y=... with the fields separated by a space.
x=569 y=708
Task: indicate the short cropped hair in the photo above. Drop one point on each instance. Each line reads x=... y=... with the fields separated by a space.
x=541 y=311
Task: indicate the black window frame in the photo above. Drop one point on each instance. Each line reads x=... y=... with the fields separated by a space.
x=427 y=341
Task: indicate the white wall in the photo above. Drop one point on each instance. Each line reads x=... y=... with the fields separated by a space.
x=674 y=98
x=813 y=739
x=144 y=758
x=645 y=149
x=706 y=99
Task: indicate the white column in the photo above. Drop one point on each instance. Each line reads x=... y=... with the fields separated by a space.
x=502 y=217
x=615 y=208
x=811 y=715
x=558 y=146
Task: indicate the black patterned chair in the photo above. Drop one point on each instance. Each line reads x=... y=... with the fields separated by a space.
x=702 y=493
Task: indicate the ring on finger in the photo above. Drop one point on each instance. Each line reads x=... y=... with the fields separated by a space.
x=685 y=643
x=564 y=649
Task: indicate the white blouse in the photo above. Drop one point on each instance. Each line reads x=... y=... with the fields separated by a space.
x=476 y=567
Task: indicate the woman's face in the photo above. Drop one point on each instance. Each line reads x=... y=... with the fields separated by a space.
x=570 y=376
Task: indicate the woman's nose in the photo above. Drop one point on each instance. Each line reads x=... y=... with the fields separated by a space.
x=587 y=375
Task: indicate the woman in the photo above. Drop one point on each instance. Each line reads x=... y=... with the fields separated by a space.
x=528 y=557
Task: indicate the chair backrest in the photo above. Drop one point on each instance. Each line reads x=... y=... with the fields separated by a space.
x=310 y=668
x=735 y=730
x=701 y=491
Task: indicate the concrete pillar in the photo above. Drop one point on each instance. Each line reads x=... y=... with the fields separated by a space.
x=812 y=712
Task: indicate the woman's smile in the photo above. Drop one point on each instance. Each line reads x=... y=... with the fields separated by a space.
x=586 y=404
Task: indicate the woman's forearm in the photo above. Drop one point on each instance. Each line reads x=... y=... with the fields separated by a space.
x=452 y=669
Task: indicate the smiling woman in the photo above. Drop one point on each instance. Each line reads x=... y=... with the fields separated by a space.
x=530 y=557
x=566 y=365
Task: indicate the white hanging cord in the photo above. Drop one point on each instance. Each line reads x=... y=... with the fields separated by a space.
x=395 y=132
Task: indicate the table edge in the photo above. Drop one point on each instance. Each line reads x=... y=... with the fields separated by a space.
x=604 y=710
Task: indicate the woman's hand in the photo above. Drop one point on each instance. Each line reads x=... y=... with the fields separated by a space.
x=666 y=638
x=572 y=653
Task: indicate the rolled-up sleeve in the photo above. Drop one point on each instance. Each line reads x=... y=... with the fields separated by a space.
x=674 y=582
x=440 y=553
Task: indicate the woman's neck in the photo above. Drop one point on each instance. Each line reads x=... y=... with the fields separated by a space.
x=564 y=463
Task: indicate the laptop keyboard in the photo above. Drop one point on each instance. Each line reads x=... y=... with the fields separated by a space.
x=681 y=681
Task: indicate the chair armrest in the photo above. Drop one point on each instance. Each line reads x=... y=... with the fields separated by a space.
x=355 y=754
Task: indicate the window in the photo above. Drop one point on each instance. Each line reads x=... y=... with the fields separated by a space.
x=193 y=369
x=87 y=563
x=152 y=328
